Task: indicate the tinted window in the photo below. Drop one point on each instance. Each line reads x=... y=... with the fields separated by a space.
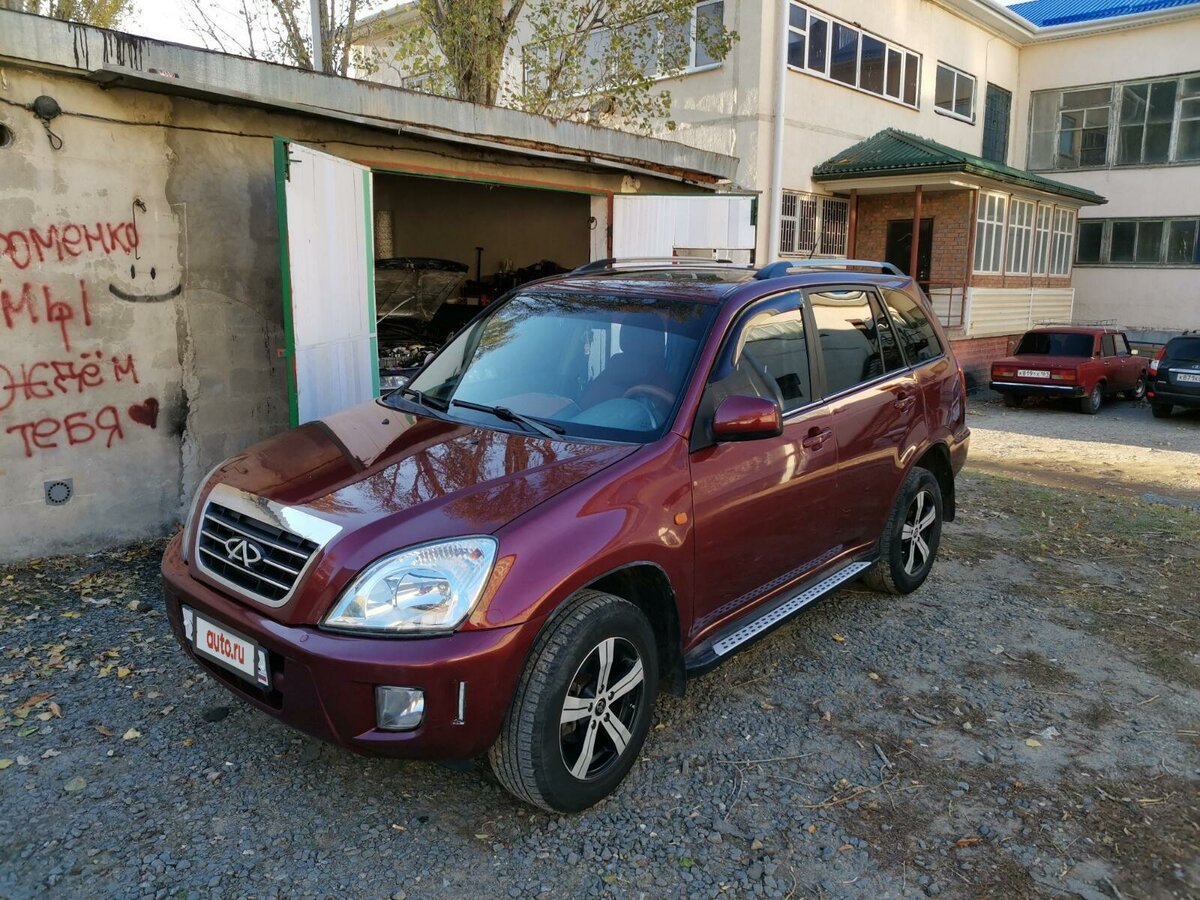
x=767 y=358
x=1051 y=343
x=1107 y=345
x=849 y=338
x=913 y=329
x=1187 y=348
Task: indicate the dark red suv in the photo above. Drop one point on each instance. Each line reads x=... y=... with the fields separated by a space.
x=609 y=481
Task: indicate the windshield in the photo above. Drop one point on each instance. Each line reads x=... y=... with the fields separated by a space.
x=585 y=366
x=1053 y=343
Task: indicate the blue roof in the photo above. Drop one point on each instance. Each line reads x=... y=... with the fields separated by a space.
x=1068 y=12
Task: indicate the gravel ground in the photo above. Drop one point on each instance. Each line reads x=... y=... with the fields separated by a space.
x=1024 y=725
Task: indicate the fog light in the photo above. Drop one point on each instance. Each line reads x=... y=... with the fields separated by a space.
x=398 y=708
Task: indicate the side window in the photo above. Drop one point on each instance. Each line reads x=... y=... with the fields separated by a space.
x=1108 y=346
x=767 y=357
x=913 y=329
x=1123 y=345
x=849 y=336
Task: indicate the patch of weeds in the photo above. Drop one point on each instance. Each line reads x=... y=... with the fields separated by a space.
x=1147 y=830
x=1044 y=672
x=1097 y=715
x=1172 y=664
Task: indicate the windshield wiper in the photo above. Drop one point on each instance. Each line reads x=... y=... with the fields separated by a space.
x=546 y=429
x=423 y=400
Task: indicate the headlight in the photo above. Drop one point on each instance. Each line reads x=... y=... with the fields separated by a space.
x=429 y=588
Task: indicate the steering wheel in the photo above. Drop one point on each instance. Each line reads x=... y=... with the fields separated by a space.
x=652 y=393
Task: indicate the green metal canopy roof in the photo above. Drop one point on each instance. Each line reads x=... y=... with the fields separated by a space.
x=894 y=152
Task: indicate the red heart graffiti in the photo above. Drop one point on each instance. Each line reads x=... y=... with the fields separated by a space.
x=145 y=413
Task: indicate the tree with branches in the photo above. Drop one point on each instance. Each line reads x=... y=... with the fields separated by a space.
x=101 y=13
x=280 y=30
x=577 y=59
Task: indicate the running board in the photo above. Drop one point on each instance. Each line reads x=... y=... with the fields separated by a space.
x=765 y=620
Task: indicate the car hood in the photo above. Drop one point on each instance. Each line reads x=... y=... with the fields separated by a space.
x=391 y=479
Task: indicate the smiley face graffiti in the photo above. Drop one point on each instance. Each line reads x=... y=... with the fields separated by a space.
x=157 y=297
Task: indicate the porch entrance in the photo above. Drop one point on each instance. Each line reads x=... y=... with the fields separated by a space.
x=898 y=250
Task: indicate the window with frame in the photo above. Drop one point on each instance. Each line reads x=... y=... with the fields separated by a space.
x=954 y=93
x=813 y=223
x=914 y=330
x=848 y=325
x=1062 y=242
x=1136 y=123
x=1041 y=239
x=768 y=359
x=989 y=233
x=822 y=45
x=1171 y=243
x=1020 y=236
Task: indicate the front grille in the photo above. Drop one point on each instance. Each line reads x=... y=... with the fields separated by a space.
x=283 y=554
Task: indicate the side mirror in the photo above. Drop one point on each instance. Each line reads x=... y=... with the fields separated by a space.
x=747 y=419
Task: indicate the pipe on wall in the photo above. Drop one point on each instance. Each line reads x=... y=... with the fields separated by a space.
x=781 y=72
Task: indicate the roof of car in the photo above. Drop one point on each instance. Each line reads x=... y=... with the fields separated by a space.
x=1074 y=329
x=709 y=284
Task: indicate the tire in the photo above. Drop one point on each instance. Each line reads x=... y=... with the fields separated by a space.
x=896 y=571
x=1090 y=405
x=536 y=751
x=1138 y=391
x=1161 y=410
x=1013 y=401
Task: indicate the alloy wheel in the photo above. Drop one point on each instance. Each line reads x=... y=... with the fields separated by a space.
x=922 y=513
x=1139 y=389
x=600 y=707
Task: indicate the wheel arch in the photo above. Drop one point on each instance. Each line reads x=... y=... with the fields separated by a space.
x=647 y=586
x=936 y=458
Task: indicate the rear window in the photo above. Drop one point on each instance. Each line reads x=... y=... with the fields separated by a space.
x=1053 y=343
x=1184 y=348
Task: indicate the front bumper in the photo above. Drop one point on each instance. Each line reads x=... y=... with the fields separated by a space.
x=1040 y=390
x=324 y=684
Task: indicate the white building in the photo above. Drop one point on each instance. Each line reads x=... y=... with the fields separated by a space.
x=961 y=81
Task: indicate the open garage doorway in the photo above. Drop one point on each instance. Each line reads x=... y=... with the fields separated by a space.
x=444 y=247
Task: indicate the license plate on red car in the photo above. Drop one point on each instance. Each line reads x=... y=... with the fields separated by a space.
x=227 y=648
x=1033 y=373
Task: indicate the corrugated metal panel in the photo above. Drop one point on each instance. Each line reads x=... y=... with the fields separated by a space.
x=332 y=282
x=997 y=311
x=653 y=225
x=1068 y=12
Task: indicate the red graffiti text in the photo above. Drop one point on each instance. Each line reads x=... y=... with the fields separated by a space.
x=75 y=428
x=25 y=246
x=35 y=304
x=57 y=377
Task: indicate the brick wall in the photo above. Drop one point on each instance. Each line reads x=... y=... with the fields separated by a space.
x=977 y=355
x=951 y=214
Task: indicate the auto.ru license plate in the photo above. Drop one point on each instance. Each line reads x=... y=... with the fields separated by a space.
x=1033 y=373
x=239 y=655
x=1187 y=378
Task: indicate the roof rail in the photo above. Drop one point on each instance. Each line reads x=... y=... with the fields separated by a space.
x=652 y=262
x=1100 y=323
x=785 y=266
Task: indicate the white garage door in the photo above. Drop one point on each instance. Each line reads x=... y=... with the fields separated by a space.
x=329 y=280
x=658 y=225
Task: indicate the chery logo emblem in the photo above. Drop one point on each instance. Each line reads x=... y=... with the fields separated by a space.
x=243 y=551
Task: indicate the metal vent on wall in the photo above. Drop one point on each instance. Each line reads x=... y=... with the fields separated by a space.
x=59 y=492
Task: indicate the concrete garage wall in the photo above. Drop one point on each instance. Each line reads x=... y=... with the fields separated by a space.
x=141 y=321
x=524 y=225
x=139 y=302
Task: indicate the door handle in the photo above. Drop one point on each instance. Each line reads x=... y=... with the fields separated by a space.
x=816 y=437
x=905 y=402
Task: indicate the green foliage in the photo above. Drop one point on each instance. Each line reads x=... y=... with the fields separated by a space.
x=102 y=13
x=579 y=59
